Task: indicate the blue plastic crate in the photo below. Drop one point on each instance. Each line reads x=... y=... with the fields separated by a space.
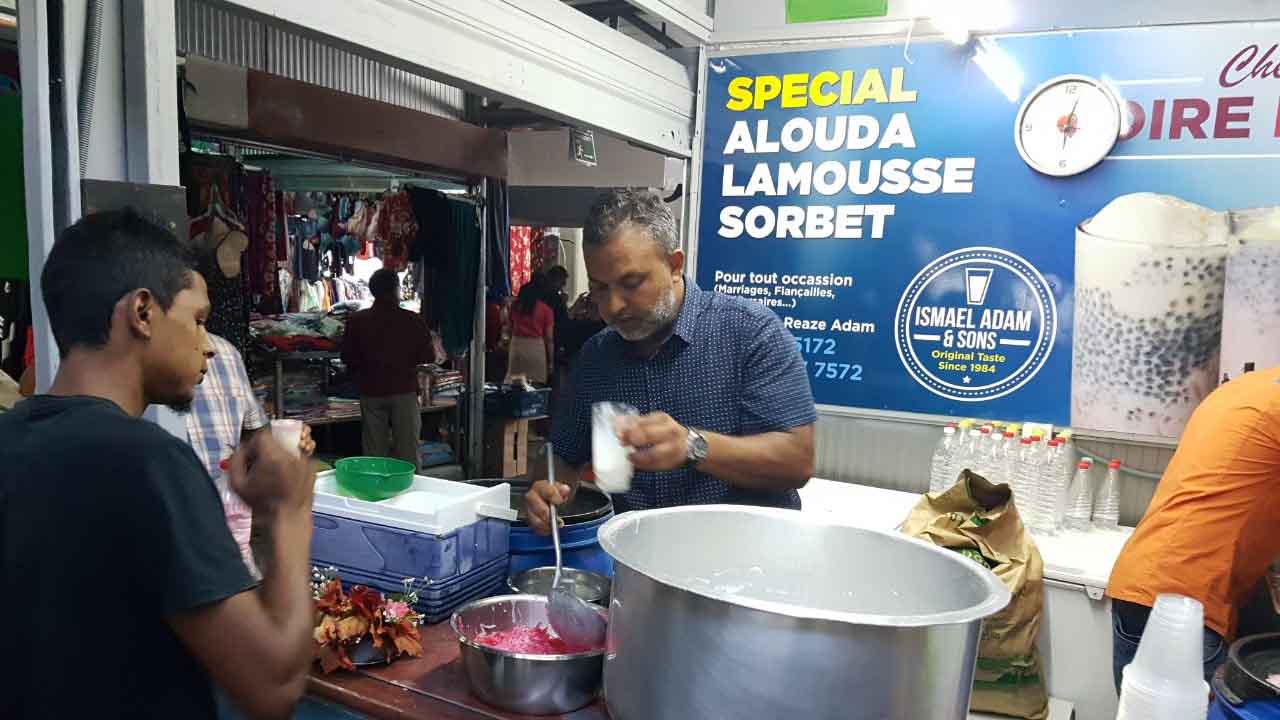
x=391 y=554
x=435 y=593
x=437 y=601
x=444 y=612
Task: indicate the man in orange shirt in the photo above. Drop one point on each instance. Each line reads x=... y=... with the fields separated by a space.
x=1213 y=526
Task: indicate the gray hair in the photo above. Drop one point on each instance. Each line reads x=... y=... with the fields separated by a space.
x=616 y=210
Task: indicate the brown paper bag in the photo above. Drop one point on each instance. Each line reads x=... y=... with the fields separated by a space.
x=977 y=519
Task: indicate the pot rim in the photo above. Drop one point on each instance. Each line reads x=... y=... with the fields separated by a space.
x=998 y=595
x=455 y=624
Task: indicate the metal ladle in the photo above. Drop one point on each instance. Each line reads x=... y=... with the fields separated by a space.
x=574 y=620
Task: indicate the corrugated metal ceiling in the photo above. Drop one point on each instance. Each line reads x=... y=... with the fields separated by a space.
x=218 y=34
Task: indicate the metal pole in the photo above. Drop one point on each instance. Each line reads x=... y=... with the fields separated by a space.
x=475 y=394
x=34 y=33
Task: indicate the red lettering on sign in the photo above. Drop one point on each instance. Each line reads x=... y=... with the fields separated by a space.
x=1157 y=119
x=1188 y=114
x=1246 y=65
x=1232 y=110
x=1137 y=119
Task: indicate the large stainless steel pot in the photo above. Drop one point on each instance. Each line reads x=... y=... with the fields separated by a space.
x=741 y=613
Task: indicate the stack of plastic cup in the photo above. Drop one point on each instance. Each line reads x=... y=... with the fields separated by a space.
x=1165 y=681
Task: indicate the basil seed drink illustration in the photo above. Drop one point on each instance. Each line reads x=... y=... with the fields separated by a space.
x=1148 y=314
x=1251 y=304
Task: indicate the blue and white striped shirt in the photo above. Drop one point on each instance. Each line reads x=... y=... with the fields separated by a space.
x=730 y=367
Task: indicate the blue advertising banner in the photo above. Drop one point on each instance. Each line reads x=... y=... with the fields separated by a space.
x=915 y=223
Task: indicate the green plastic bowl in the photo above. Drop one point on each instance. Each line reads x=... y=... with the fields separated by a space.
x=372 y=478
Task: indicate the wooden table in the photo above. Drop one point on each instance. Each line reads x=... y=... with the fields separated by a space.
x=432 y=687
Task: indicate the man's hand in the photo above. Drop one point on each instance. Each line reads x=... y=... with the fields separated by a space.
x=538 y=502
x=306 y=445
x=661 y=443
x=269 y=477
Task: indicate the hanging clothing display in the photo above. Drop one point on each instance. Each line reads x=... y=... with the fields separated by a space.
x=457 y=295
x=498 y=266
x=521 y=245
x=431 y=245
x=545 y=251
x=401 y=230
x=229 y=316
x=261 y=257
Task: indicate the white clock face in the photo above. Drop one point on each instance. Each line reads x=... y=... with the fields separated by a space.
x=1067 y=125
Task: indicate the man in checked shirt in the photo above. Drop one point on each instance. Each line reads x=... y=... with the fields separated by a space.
x=726 y=412
x=224 y=414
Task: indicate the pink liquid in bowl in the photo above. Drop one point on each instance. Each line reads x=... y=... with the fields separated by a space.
x=526 y=640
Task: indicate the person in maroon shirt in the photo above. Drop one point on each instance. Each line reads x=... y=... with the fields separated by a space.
x=383 y=348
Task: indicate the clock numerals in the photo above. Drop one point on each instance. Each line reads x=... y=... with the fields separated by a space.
x=1067 y=125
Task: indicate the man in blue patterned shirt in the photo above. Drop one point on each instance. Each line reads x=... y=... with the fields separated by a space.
x=726 y=412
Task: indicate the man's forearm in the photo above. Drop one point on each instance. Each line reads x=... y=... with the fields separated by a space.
x=286 y=588
x=769 y=461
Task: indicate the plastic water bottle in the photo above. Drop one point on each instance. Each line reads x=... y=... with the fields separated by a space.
x=1067 y=464
x=1042 y=458
x=1080 y=500
x=1052 y=486
x=966 y=454
x=994 y=461
x=1005 y=457
x=1106 y=510
x=1048 y=495
x=1024 y=475
x=940 y=468
x=982 y=453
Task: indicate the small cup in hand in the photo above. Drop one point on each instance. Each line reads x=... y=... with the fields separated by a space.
x=268 y=477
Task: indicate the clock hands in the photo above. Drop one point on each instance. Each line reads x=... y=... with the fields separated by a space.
x=1068 y=124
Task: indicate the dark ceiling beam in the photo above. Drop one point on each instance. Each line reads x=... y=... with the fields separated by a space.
x=604 y=9
x=654 y=33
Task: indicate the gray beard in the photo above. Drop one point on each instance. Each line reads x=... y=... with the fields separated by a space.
x=663 y=315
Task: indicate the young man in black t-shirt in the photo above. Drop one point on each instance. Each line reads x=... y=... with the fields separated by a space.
x=124 y=594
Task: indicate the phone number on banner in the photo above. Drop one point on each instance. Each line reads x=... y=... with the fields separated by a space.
x=822 y=361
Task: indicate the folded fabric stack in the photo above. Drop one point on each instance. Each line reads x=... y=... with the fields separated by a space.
x=446 y=384
x=299 y=332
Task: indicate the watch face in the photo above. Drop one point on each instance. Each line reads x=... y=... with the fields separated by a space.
x=1067 y=125
x=697 y=447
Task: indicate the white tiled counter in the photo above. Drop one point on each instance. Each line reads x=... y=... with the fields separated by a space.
x=1075 y=634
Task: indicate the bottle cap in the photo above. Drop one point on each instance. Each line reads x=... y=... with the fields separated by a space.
x=1084 y=465
x=1026 y=441
x=1114 y=465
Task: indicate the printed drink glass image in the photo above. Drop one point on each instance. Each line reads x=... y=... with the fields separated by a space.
x=976 y=283
x=1251 y=304
x=1148 y=314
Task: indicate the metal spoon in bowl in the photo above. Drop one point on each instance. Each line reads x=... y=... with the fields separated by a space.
x=573 y=619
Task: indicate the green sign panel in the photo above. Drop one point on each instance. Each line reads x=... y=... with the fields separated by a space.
x=803 y=11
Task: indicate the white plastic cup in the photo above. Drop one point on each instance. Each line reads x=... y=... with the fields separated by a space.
x=289 y=434
x=1165 y=681
x=610 y=459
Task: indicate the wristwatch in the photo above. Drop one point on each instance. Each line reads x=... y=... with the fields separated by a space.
x=697 y=448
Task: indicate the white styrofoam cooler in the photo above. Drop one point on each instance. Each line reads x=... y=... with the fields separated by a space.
x=1075 y=628
x=430 y=505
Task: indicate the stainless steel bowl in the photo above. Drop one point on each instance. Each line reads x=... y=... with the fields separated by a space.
x=738 y=613
x=591 y=587
x=526 y=684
